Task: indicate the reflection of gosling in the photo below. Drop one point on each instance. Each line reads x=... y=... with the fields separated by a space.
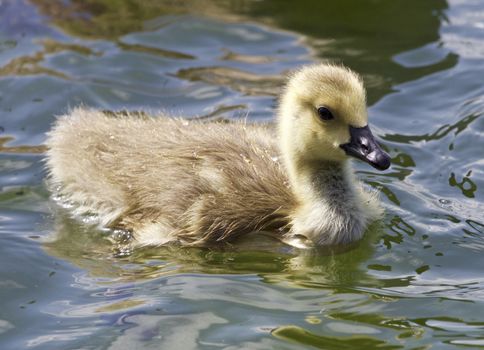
x=197 y=182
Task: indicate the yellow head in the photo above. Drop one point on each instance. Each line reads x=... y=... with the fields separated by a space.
x=323 y=117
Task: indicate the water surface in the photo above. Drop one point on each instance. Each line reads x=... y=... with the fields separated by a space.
x=415 y=282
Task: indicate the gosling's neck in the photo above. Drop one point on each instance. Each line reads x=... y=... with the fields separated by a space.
x=319 y=180
x=330 y=209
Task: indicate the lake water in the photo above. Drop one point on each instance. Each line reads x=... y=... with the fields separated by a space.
x=415 y=282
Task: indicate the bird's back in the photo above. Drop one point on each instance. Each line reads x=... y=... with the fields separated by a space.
x=170 y=179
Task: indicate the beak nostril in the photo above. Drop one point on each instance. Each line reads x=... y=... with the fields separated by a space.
x=364 y=145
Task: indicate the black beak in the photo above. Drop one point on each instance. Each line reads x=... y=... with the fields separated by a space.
x=363 y=146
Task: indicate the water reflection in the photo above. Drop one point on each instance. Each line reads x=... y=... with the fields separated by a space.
x=155 y=51
x=438 y=134
x=335 y=36
x=32 y=64
x=244 y=82
x=304 y=337
x=209 y=292
x=399 y=228
x=88 y=247
x=135 y=292
x=106 y=18
x=467 y=186
x=22 y=149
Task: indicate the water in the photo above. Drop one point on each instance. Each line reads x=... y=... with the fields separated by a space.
x=415 y=282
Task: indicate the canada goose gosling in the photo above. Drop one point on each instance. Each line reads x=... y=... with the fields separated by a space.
x=195 y=182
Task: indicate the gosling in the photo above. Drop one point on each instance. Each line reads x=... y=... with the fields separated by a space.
x=197 y=183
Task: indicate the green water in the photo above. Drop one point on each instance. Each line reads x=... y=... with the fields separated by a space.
x=415 y=282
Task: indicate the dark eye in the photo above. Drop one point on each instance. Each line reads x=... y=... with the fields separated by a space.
x=325 y=114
